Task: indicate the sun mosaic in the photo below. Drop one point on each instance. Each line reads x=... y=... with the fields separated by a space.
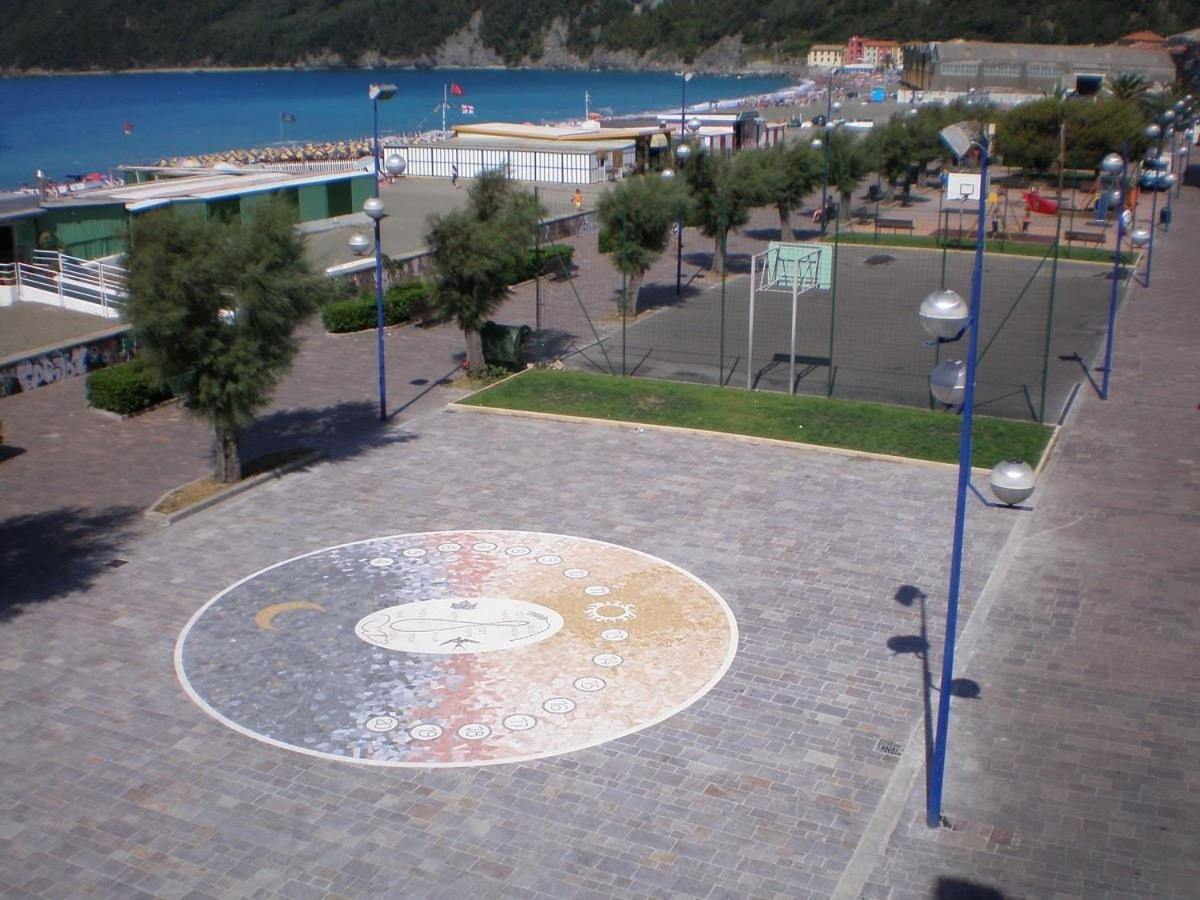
x=456 y=648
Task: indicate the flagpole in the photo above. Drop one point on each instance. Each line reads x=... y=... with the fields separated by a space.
x=444 y=103
x=586 y=109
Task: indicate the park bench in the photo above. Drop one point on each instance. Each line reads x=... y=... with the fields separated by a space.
x=895 y=224
x=1084 y=237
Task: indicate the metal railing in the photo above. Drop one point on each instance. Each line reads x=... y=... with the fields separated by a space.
x=67 y=281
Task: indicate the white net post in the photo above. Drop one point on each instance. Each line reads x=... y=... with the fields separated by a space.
x=792 y=354
x=750 y=349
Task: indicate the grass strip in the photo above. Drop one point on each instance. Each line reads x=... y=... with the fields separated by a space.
x=849 y=424
x=1004 y=248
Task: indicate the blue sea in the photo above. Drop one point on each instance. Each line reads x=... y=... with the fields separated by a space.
x=73 y=125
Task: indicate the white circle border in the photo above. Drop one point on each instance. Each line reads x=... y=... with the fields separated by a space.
x=722 y=669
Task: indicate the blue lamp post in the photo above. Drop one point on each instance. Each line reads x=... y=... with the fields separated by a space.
x=1114 y=164
x=1154 y=135
x=373 y=207
x=682 y=153
x=944 y=315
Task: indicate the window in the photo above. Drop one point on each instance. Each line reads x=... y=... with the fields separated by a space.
x=1042 y=70
x=1003 y=70
x=958 y=68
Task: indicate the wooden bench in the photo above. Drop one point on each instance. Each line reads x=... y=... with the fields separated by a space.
x=1084 y=237
x=895 y=224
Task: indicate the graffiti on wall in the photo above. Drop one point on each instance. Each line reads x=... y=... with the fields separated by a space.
x=63 y=362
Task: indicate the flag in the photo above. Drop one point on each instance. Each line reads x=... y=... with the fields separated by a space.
x=287 y=118
x=456 y=89
x=468 y=109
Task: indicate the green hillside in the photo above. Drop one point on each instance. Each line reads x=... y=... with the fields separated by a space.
x=119 y=34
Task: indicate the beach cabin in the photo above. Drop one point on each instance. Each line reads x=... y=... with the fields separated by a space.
x=93 y=225
x=727 y=133
x=575 y=155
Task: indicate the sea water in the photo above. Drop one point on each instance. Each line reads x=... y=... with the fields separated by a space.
x=77 y=124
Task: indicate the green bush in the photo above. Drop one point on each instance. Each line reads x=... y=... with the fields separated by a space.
x=359 y=313
x=124 y=388
x=556 y=259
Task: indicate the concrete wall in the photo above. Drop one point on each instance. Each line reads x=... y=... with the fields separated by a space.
x=47 y=365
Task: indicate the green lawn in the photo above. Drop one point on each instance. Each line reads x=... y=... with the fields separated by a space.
x=874 y=427
x=1011 y=248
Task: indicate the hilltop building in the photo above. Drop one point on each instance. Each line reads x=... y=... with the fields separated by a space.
x=964 y=66
x=826 y=56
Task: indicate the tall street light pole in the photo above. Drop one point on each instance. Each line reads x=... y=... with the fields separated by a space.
x=1114 y=164
x=682 y=154
x=949 y=328
x=373 y=207
x=830 y=109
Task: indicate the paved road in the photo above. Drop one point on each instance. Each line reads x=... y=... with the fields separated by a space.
x=1072 y=773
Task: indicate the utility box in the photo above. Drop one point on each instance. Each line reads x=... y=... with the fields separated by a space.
x=505 y=345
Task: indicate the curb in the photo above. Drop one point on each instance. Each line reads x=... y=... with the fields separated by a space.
x=165 y=519
x=456 y=406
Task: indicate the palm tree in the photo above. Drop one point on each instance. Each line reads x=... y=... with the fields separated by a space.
x=1130 y=86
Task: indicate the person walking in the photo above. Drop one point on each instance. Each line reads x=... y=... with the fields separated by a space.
x=577 y=200
x=454 y=175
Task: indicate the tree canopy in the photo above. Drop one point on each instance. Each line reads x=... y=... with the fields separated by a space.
x=138 y=34
x=636 y=220
x=475 y=252
x=214 y=304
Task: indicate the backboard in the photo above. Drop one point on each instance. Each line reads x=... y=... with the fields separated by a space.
x=810 y=265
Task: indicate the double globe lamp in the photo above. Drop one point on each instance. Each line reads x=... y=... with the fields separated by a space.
x=945 y=316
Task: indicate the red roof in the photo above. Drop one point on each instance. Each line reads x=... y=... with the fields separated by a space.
x=1142 y=37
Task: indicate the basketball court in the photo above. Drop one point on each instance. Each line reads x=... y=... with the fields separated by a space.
x=848 y=328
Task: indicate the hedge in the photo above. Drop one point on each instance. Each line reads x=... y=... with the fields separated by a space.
x=556 y=259
x=124 y=388
x=359 y=313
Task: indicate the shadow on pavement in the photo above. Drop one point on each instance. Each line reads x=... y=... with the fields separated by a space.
x=341 y=431
x=959 y=889
x=47 y=555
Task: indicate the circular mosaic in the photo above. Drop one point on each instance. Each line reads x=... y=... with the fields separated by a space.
x=456 y=648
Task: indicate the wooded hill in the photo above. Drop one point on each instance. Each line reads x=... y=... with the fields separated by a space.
x=133 y=34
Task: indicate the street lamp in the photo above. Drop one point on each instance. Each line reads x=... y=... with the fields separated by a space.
x=1154 y=135
x=1114 y=164
x=686 y=77
x=830 y=109
x=947 y=318
x=373 y=207
x=682 y=154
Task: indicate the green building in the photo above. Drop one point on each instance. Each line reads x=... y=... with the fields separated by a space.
x=92 y=224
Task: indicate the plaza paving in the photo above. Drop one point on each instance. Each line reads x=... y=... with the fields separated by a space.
x=1072 y=773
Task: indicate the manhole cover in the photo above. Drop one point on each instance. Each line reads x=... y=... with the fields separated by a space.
x=889 y=747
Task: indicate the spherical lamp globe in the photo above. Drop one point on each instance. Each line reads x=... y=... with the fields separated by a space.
x=1140 y=236
x=395 y=164
x=1012 y=481
x=373 y=207
x=1112 y=163
x=359 y=244
x=948 y=382
x=944 y=314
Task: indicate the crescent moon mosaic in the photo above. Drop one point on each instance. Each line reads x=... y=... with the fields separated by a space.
x=456 y=648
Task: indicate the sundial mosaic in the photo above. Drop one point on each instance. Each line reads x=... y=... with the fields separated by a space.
x=456 y=648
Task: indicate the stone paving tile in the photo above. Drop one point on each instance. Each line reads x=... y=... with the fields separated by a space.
x=1074 y=773
x=760 y=787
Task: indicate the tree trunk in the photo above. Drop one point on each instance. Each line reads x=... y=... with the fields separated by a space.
x=785 y=223
x=633 y=287
x=718 y=259
x=474 y=349
x=227 y=465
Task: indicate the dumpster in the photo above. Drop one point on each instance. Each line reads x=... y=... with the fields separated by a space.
x=505 y=345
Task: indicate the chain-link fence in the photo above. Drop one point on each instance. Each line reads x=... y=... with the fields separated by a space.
x=1043 y=321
